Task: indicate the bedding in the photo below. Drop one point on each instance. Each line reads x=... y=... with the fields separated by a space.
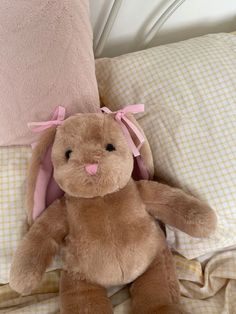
x=46 y=60
x=204 y=291
x=13 y=167
x=13 y=215
x=208 y=290
x=189 y=90
x=207 y=287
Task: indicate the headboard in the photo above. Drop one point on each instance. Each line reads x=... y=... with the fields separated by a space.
x=122 y=26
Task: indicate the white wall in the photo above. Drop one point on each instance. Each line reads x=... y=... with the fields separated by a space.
x=136 y=17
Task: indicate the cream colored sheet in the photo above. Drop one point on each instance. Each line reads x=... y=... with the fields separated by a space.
x=205 y=290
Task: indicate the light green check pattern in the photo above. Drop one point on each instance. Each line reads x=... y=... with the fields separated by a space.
x=13 y=168
x=189 y=90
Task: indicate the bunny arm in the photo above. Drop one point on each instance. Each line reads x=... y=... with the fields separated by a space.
x=178 y=209
x=38 y=247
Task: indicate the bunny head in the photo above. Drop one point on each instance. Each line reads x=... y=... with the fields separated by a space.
x=87 y=155
x=91 y=156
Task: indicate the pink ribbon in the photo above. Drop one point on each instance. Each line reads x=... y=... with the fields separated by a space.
x=57 y=119
x=124 y=123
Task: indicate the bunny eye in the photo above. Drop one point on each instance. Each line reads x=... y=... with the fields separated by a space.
x=110 y=147
x=68 y=153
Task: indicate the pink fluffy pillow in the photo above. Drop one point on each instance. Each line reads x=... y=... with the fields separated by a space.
x=46 y=60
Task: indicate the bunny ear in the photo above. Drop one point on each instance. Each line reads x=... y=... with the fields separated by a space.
x=138 y=143
x=42 y=189
x=145 y=160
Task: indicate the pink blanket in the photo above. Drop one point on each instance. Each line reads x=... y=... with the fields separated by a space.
x=46 y=60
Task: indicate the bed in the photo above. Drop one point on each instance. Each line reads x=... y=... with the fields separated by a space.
x=206 y=270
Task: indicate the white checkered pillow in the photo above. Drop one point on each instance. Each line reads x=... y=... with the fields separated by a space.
x=189 y=89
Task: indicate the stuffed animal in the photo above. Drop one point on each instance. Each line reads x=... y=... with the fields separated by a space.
x=105 y=224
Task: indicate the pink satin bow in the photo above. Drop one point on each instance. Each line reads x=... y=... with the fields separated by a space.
x=124 y=123
x=57 y=119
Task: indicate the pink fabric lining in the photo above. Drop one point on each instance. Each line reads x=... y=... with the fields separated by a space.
x=46 y=188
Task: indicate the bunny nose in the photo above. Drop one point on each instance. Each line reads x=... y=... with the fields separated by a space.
x=91 y=169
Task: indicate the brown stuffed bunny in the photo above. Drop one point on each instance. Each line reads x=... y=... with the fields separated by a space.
x=105 y=223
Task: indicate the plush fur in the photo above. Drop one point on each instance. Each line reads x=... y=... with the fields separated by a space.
x=105 y=224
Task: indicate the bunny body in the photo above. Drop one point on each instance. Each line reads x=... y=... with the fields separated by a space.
x=111 y=245
x=105 y=223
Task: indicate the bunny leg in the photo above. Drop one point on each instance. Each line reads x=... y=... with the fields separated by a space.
x=157 y=290
x=79 y=296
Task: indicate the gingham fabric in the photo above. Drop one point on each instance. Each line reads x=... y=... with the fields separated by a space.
x=189 y=90
x=13 y=215
x=13 y=166
x=44 y=300
x=209 y=290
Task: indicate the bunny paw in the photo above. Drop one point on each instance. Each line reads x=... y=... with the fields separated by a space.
x=24 y=282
